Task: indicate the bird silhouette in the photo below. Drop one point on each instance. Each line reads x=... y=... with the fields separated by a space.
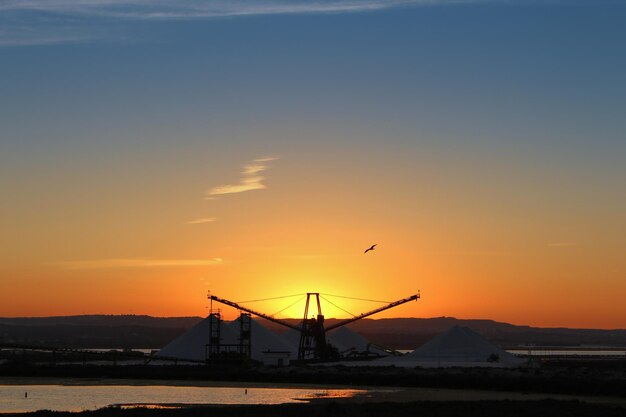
x=370 y=248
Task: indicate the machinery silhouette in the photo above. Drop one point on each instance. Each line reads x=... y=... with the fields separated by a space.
x=313 y=344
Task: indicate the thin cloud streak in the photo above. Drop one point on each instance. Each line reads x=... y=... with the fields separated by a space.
x=202 y=221
x=194 y=9
x=14 y=40
x=250 y=179
x=137 y=263
x=40 y=32
x=42 y=22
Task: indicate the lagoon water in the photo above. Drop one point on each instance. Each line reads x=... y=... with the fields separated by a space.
x=569 y=352
x=31 y=397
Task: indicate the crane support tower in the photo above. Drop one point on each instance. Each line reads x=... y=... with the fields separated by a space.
x=312 y=332
x=313 y=344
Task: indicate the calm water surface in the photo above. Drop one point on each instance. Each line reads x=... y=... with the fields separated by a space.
x=561 y=352
x=569 y=352
x=89 y=397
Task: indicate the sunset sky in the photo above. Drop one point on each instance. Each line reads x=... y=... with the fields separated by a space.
x=152 y=151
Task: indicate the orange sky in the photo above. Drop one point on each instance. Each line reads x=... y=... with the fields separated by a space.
x=470 y=255
x=152 y=151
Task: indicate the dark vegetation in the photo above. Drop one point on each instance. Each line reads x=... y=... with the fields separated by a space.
x=130 y=331
x=601 y=378
x=550 y=408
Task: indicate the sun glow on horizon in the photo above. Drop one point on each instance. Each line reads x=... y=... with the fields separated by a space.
x=293 y=306
x=261 y=156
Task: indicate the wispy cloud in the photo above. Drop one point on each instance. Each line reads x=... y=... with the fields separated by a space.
x=251 y=179
x=40 y=22
x=22 y=39
x=202 y=221
x=188 y=9
x=35 y=31
x=136 y=263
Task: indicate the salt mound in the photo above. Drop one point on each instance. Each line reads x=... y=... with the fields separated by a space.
x=458 y=346
x=262 y=340
x=191 y=345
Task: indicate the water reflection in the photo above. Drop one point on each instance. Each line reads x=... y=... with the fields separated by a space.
x=25 y=398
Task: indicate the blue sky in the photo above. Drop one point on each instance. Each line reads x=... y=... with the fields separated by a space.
x=500 y=115
x=496 y=68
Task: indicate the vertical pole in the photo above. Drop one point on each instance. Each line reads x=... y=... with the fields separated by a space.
x=306 y=306
x=305 y=339
x=319 y=306
x=319 y=333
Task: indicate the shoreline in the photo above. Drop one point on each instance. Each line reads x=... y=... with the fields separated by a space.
x=132 y=382
x=581 y=378
x=368 y=394
x=331 y=408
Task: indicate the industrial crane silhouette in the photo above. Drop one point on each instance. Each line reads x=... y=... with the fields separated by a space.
x=312 y=331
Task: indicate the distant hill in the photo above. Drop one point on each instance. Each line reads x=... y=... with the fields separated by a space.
x=103 y=320
x=131 y=331
x=94 y=331
x=409 y=333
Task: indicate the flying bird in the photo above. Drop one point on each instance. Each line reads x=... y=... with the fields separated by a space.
x=370 y=248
